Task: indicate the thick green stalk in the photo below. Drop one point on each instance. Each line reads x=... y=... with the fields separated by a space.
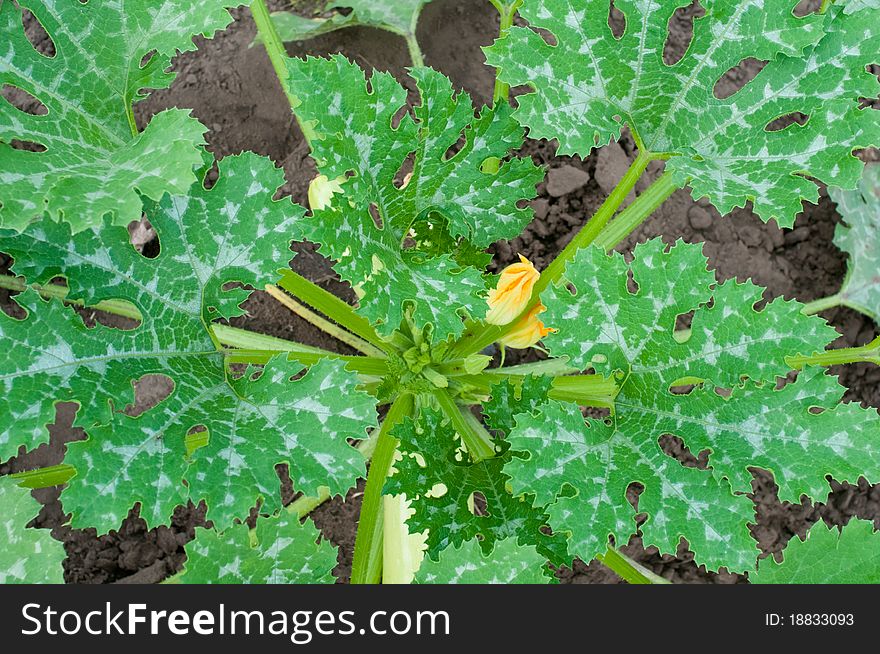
x=585 y=390
x=637 y=212
x=273 y=44
x=57 y=292
x=332 y=307
x=476 y=439
x=252 y=347
x=507 y=12
x=822 y=304
x=628 y=569
x=323 y=324
x=869 y=353
x=367 y=565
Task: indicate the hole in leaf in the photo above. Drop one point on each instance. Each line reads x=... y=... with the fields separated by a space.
x=681 y=32
x=197 y=437
x=399 y=115
x=817 y=410
x=737 y=77
x=144 y=238
x=548 y=36
x=146 y=58
x=404 y=173
x=437 y=490
x=149 y=392
x=616 y=21
x=806 y=7
x=478 y=504
x=720 y=391
x=631 y=284
x=23 y=100
x=679 y=388
x=456 y=147
x=596 y=413
x=37 y=35
x=27 y=146
x=783 y=122
x=674 y=447
x=302 y=373
x=374 y=214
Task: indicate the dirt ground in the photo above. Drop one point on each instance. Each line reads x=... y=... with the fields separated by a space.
x=232 y=89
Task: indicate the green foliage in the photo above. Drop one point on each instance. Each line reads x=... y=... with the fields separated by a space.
x=398 y=16
x=734 y=355
x=28 y=556
x=279 y=550
x=94 y=163
x=589 y=84
x=432 y=461
x=828 y=556
x=857 y=236
x=357 y=143
x=509 y=400
x=207 y=240
x=508 y=563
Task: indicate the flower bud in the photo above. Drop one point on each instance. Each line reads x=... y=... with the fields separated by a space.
x=527 y=331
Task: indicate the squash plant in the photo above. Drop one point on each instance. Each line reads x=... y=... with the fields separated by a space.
x=485 y=471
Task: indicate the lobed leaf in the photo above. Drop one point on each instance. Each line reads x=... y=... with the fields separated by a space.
x=234 y=232
x=857 y=236
x=508 y=563
x=29 y=555
x=731 y=360
x=828 y=555
x=590 y=83
x=279 y=550
x=359 y=143
x=431 y=462
x=93 y=163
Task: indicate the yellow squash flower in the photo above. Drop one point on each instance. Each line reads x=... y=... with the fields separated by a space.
x=321 y=191
x=513 y=292
x=527 y=331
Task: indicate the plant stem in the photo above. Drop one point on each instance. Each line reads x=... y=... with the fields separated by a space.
x=415 y=52
x=628 y=569
x=332 y=307
x=507 y=13
x=57 y=292
x=869 y=353
x=476 y=439
x=637 y=212
x=45 y=477
x=367 y=565
x=323 y=324
x=259 y=348
x=822 y=304
x=278 y=56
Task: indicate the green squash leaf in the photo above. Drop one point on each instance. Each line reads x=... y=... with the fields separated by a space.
x=234 y=232
x=734 y=355
x=858 y=237
x=828 y=556
x=399 y=16
x=279 y=550
x=28 y=556
x=589 y=84
x=508 y=400
x=449 y=517
x=508 y=563
x=357 y=144
x=93 y=164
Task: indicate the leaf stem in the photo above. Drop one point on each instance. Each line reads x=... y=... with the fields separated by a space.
x=637 y=212
x=332 y=307
x=869 y=353
x=120 y=308
x=628 y=569
x=822 y=304
x=323 y=324
x=252 y=347
x=476 y=439
x=367 y=565
x=415 y=52
x=507 y=14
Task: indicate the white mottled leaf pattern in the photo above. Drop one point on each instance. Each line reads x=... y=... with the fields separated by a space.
x=92 y=165
x=358 y=143
x=735 y=413
x=859 y=236
x=28 y=555
x=279 y=550
x=589 y=84
x=234 y=232
x=508 y=563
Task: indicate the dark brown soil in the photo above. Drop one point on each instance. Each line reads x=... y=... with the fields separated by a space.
x=232 y=89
